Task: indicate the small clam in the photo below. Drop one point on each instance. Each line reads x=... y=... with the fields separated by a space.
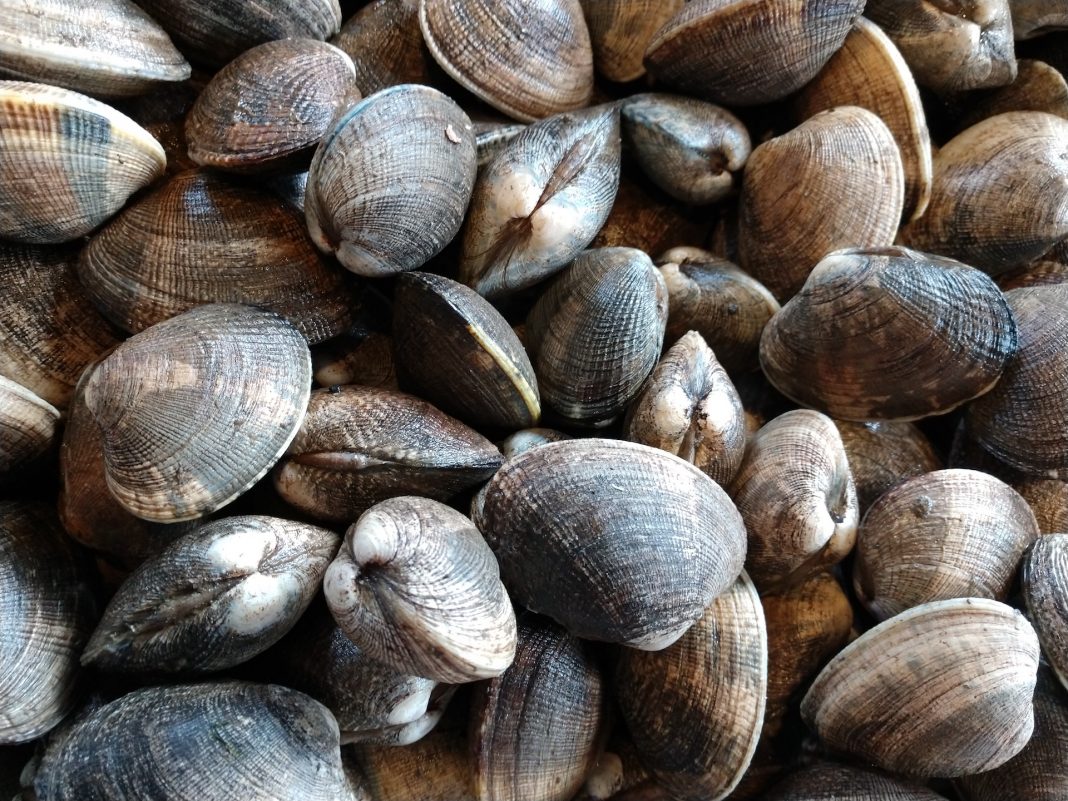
x=1045 y=580
x=617 y=541
x=522 y=441
x=1031 y=18
x=943 y=689
x=389 y=183
x=620 y=31
x=385 y=44
x=436 y=768
x=1048 y=499
x=882 y=455
x=826 y=781
x=365 y=359
x=28 y=427
x=1038 y=87
x=94 y=158
x=645 y=218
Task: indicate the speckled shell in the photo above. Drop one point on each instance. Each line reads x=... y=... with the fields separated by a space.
x=28 y=428
x=527 y=58
x=1048 y=499
x=835 y=181
x=70 y=162
x=1031 y=18
x=390 y=182
x=47 y=612
x=620 y=31
x=943 y=689
x=617 y=541
x=101 y=47
x=1038 y=87
x=196 y=409
x=838 y=345
x=827 y=781
x=385 y=44
x=202 y=742
x=1044 y=580
x=436 y=768
x=748 y=53
x=882 y=455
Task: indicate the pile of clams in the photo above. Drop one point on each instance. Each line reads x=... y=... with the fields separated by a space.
x=533 y=400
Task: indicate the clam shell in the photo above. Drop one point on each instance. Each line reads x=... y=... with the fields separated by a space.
x=90 y=158
x=365 y=360
x=436 y=768
x=617 y=541
x=196 y=409
x=1038 y=87
x=882 y=455
x=647 y=219
x=522 y=441
x=620 y=31
x=1044 y=578
x=28 y=428
x=826 y=781
x=1031 y=18
x=826 y=347
x=493 y=137
x=385 y=44
x=943 y=689
x=390 y=182
x=1037 y=273
x=1048 y=499
x=527 y=58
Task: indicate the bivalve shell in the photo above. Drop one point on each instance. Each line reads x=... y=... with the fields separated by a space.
x=882 y=455
x=385 y=44
x=827 y=781
x=28 y=427
x=1045 y=589
x=1031 y=18
x=620 y=31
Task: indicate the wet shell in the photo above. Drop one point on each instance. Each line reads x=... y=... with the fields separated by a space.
x=46 y=615
x=1044 y=579
x=196 y=409
x=436 y=768
x=620 y=31
x=457 y=351
x=748 y=53
x=385 y=44
x=1031 y=18
x=360 y=445
x=1048 y=499
x=882 y=455
x=527 y=58
x=826 y=781
x=526 y=439
x=214 y=598
x=101 y=47
x=198 y=741
x=90 y=157
x=28 y=427
x=835 y=181
x=648 y=219
x=889 y=334
x=695 y=708
x=1038 y=87
x=617 y=541
x=366 y=360
x=943 y=689
x=947 y=534
x=390 y=182
x=270 y=106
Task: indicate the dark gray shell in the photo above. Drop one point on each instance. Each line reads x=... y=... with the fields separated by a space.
x=1044 y=580
x=882 y=455
x=28 y=428
x=826 y=781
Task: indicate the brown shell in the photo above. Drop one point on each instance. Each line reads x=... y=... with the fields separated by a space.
x=348 y=359
x=1048 y=499
x=838 y=344
x=1044 y=580
x=270 y=106
x=620 y=31
x=70 y=162
x=1037 y=273
x=1031 y=18
x=436 y=768
x=385 y=44
x=1038 y=87
x=162 y=113
x=827 y=781
x=835 y=181
x=645 y=218
x=28 y=427
x=748 y=53
x=882 y=455
x=527 y=58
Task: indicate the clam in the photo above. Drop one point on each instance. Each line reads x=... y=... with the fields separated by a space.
x=457 y=351
x=202 y=238
x=541 y=201
x=162 y=113
x=618 y=542
x=869 y=72
x=835 y=181
x=213 y=598
x=690 y=408
x=196 y=409
x=94 y=157
x=689 y=148
x=361 y=445
x=493 y=137
x=385 y=44
x=390 y=181
x=797 y=498
x=1048 y=499
x=1038 y=273
x=695 y=708
x=943 y=690
x=100 y=47
x=946 y=534
x=436 y=768
x=882 y=455
x=28 y=427
x=999 y=199
x=270 y=106
x=620 y=31
x=527 y=58
x=748 y=53
x=596 y=333
x=364 y=359
x=226 y=740
x=1031 y=18
x=1044 y=579
x=1038 y=87
x=826 y=347
x=645 y=218
x=537 y=729
x=46 y=615
x=528 y=438
x=825 y=781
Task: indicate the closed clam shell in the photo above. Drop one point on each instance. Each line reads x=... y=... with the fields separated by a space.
x=527 y=58
x=536 y=730
x=385 y=44
x=999 y=199
x=198 y=741
x=418 y=561
x=616 y=541
x=870 y=72
x=364 y=359
x=827 y=781
x=1048 y=499
x=882 y=455
x=70 y=162
x=28 y=427
x=361 y=445
x=695 y=708
x=46 y=615
x=389 y=184
x=835 y=181
x=457 y=351
x=213 y=598
x=1044 y=579
x=492 y=137
x=826 y=347
x=943 y=689
x=1023 y=420
x=1038 y=87
x=748 y=53
x=946 y=534
x=646 y=218
x=270 y=106
x=1032 y=18
x=620 y=31
x=101 y=47
x=196 y=409
x=436 y=768
x=541 y=201
x=1038 y=273
x=529 y=438
x=596 y=333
